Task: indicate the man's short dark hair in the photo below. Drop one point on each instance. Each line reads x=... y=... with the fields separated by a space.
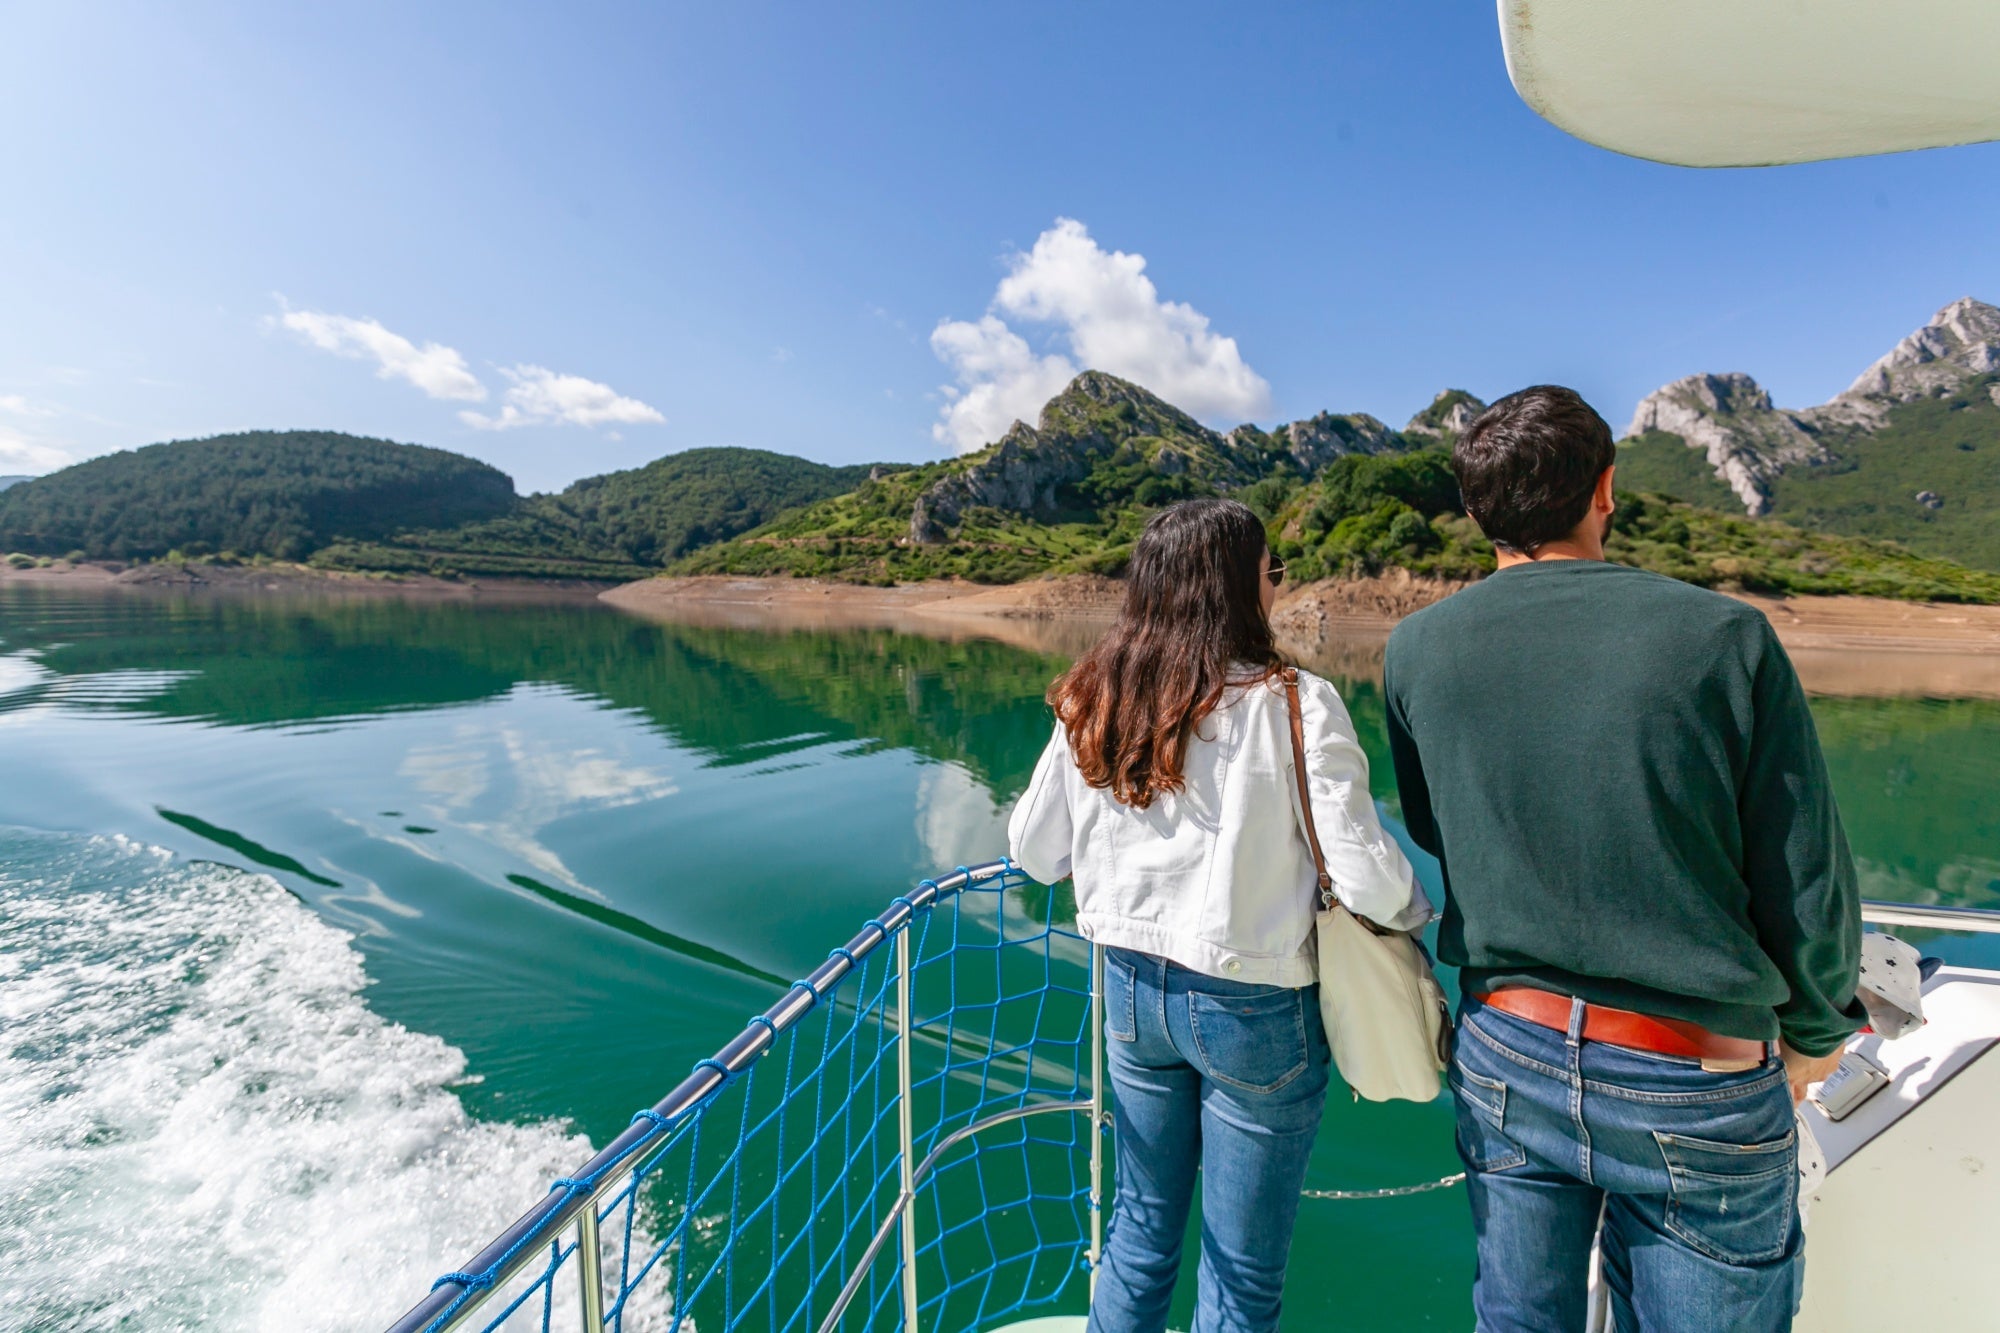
x=1526 y=468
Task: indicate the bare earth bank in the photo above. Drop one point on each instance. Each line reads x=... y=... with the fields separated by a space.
x=1062 y=615
x=1841 y=645
x=300 y=580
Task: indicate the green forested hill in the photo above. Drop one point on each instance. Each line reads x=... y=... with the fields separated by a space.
x=1342 y=495
x=1365 y=515
x=1665 y=465
x=276 y=493
x=617 y=525
x=346 y=502
x=1946 y=447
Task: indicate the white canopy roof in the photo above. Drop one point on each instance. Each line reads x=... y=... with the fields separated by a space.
x=1734 y=83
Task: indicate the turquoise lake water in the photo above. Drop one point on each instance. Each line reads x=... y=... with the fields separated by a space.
x=335 y=930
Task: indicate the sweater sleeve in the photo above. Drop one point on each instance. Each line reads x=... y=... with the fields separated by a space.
x=1039 y=832
x=1411 y=787
x=1804 y=900
x=1370 y=873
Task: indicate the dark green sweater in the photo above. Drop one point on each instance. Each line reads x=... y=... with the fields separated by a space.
x=1620 y=776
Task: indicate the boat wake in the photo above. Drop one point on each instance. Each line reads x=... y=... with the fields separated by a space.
x=201 y=1124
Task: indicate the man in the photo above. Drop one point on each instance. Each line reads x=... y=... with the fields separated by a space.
x=1648 y=894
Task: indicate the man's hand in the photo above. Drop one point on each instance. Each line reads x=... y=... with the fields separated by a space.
x=1805 y=1069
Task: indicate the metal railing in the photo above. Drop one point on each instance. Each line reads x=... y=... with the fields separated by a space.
x=567 y=1225
x=1976 y=920
x=986 y=1034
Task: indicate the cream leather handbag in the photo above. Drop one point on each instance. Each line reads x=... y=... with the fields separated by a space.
x=1385 y=1013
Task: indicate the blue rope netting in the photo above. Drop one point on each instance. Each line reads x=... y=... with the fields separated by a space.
x=751 y=1209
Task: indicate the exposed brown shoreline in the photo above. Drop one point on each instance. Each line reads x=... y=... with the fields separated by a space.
x=1841 y=645
x=297 y=580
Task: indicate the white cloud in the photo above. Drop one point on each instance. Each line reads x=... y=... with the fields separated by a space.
x=18 y=453
x=1107 y=311
x=17 y=405
x=1003 y=380
x=436 y=369
x=542 y=397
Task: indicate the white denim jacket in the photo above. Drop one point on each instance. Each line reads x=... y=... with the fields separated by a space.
x=1218 y=877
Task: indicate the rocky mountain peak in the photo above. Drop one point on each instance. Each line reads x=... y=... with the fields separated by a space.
x=1729 y=394
x=1449 y=414
x=1318 y=440
x=1961 y=341
x=1095 y=401
x=1088 y=422
x=1730 y=417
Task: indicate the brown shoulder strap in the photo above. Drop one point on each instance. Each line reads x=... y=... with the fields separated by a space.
x=1290 y=675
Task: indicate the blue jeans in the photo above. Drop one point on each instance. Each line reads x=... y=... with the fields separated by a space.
x=1695 y=1175
x=1224 y=1076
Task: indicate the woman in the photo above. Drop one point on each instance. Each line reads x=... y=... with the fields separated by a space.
x=1166 y=792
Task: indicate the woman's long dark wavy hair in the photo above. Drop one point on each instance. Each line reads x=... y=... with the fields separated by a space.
x=1192 y=625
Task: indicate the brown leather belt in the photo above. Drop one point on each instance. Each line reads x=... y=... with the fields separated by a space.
x=1622 y=1027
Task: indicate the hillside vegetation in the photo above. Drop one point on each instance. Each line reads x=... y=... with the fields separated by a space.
x=1345 y=498
x=1366 y=515
x=1948 y=448
x=620 y=525
x=1665 y=465
x=1067 y=496
x=277 y=493
x=1341 y=495
x=345 y=502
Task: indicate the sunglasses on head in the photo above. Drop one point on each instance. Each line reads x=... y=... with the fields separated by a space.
x=1276 y=573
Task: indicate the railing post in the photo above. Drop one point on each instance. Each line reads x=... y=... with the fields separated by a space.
x=590 y=1267
x=1096 y=1112
x=906 y=1130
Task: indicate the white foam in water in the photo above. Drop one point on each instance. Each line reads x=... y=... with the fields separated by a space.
x=203 y=1127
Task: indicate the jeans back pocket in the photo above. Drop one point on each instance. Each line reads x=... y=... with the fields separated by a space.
x=1253 y=1042
x=1734 y=1202
x=1121 y=1002
x=1482 y=1121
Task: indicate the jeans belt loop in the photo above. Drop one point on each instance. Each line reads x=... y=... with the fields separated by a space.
x=1577 y=1011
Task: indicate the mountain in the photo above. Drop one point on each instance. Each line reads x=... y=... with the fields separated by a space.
x=5 y=482
x=1909 y=452
x=278 y=493
x=1447 y=416
x=1341 y=495
x=1068 y=494
x=1818 y=494
x=620 y=525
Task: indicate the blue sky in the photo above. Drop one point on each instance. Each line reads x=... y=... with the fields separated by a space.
x=573 y=238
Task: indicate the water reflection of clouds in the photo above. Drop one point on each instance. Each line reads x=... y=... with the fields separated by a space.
x=19 y=671
x=958 y=822
x=507 y=780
